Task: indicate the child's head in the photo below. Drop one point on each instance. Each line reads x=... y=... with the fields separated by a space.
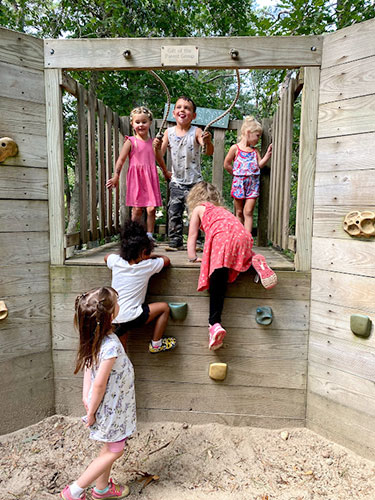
x=203 y=192
x=94 y=311
x=184 y=110
x=135 y=243
x=250 y=124
x=140 y=117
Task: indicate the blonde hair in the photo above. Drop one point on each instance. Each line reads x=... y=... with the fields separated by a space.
x=250 y=123
x=201 y=192
x=140 y=110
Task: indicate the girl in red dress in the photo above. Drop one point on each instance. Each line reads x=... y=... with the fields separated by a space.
x=227 y=252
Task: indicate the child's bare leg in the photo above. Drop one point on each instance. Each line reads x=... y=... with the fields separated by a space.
x=151 y=214
x=238 y=207
x=248 y=213
x=160 y=312
x=99 y=469
x=137 y=213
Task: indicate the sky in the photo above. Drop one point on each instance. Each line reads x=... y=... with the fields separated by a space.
x=266 y=3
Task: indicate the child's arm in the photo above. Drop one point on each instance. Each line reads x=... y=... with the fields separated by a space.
x=228 y=162
x=162 y=165
x=166 y=259
x=205 y=138
x=263 y=161
x=86 y=387
x=161 y=145
x=194 y=223
x=125 y=150
x=99 y=387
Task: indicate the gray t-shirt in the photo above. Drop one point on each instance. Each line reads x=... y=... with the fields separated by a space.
x=185 y=155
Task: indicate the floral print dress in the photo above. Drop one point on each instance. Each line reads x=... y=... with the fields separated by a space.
x=116 y=414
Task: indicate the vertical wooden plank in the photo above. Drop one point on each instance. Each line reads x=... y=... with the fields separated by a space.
x=306 y=169
x=288 y=162
x=92 y=166
x=263 y=201
x=115 y=156
x=82 y=163
x=124 y=211
x=55 y=155
x=218 y=159
x=281 y=176
x=108 y=162
x=101 y=180
x=271 y=206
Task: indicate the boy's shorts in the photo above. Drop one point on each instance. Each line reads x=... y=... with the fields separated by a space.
x=122 y=328
x=245 y=186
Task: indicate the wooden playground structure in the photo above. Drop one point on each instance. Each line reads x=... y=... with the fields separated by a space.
x=305 y=369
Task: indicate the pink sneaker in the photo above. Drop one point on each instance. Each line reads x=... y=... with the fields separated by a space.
x=115 y=491
x=216 y=335
x=267 y=277
x=65 y=494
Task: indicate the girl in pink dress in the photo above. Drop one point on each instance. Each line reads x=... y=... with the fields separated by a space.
x=227 y=252
x=142 y=181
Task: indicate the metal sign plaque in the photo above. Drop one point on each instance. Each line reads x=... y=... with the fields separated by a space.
x=179 y=55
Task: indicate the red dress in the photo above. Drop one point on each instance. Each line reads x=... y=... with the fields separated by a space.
x=227 y=244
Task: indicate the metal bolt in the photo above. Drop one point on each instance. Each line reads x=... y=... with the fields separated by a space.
x=127 y=54
x=313 y=49
x=234 y=53
x=52 y=51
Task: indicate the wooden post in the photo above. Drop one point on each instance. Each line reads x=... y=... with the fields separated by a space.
x=306 y=169
x=218 y=158
x=101 y=148
x=263 y=202
x=82 y=126
x=92 y=166
x=108 y=162
x=55 y=156
x=115 y=156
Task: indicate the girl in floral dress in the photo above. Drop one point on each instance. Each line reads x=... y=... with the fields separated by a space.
x=108 y=392
x=227 y=252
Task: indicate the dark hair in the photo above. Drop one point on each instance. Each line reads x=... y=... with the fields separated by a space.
x=134 y=241
x=93 y=320
x=188 y=99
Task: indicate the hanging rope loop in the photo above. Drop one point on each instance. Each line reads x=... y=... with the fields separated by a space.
x=159 y=135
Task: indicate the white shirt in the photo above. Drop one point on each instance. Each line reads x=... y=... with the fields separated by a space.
x=131 y=281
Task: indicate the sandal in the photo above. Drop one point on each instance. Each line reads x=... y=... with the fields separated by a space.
x=216 y=335
x=267 y=277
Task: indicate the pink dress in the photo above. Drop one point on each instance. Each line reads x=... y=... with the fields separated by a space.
x=227 y=244
x=142 y=180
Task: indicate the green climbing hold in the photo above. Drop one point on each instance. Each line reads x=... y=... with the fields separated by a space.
x=264 y=315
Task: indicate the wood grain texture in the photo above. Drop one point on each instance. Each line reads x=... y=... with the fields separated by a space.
x=24 y=279
x=349 y=256
x=337 y=188
x=21 y=117
x=23 y=215
x=24 y=248
x=23 y=183
x=345 y=81
x=21 y=50
x=348 y=152
x=21 y=83
x=349 y=44
x=306 y=170
x=214 y=52
x=32 y=150
x=218 y=159
x=351 y=116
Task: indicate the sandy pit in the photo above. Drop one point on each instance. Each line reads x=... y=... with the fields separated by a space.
x=189 y=462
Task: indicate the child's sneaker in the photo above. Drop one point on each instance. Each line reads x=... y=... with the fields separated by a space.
x=65 y=494
x=267 y=277
x=115 y=491
x=216 y=335
x=174 y=246
x=167 y=343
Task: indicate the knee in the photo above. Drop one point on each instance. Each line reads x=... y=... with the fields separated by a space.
x=151 y=210
x=166 y=308
x=249 y=212
x=239 y=213
x=137 y=212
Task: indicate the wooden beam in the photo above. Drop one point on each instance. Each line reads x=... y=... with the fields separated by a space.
x=306 y=168
x=218 y=159
x=214 y=52
x=55 y=155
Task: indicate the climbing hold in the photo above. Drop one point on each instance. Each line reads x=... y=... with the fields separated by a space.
x=3 y=310
x=360 y=325
x=178 y=310
x=218 y=371
x=8 y=147
x=360 y=223
x=264 y=315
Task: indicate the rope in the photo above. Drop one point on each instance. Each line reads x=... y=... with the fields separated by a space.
x=227 y=111
x=159 y=135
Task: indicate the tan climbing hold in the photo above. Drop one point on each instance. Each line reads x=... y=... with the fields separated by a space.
x=3 y=310
x=360 y=224
x=8 y=147
x=218 y=371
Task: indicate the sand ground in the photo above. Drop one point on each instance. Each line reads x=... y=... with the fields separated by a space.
x=192 y=462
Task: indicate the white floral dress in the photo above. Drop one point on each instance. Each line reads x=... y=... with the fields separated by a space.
x=116 y=414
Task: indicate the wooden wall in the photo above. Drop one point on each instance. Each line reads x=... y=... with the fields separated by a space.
x=266 y=382
x=341 y=395
x=26 y=372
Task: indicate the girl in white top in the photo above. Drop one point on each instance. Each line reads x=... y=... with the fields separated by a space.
x=108 y=392
x=131 y=271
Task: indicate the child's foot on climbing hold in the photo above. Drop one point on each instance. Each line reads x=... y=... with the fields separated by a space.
x=267 y=277
x=216 y=334
x=165 y=344
x=113 y=491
